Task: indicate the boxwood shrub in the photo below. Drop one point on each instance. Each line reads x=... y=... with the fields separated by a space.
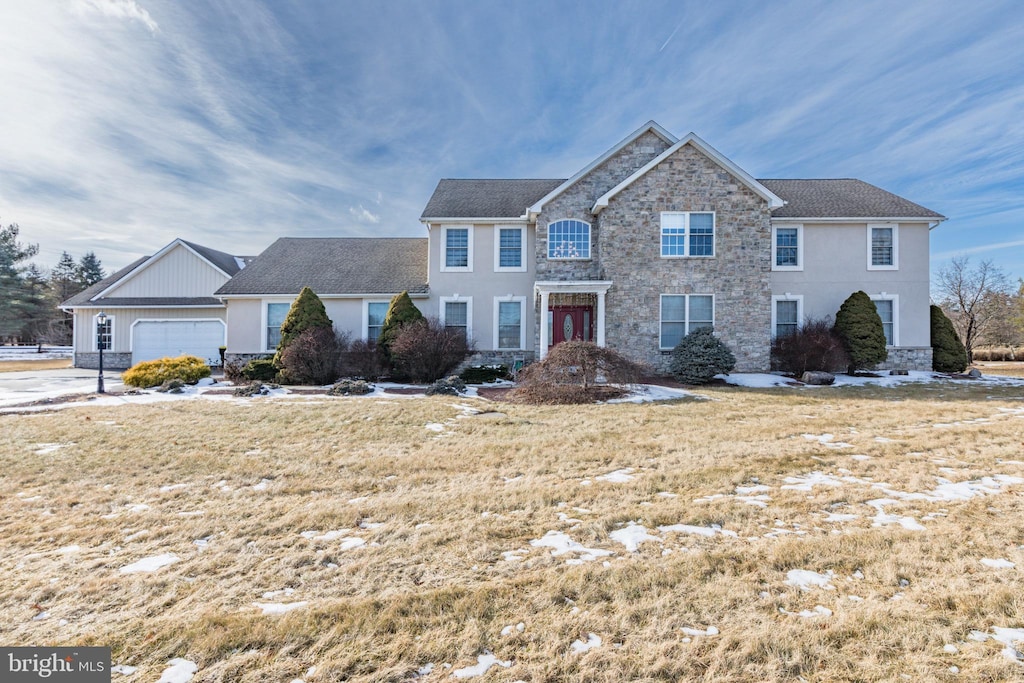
x=152 y=373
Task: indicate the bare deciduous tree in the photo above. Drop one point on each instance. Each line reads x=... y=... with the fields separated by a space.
x=973 y=297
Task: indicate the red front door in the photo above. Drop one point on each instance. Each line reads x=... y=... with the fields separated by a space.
x=571 y=322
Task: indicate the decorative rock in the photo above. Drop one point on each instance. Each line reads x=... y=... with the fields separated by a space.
x=974 y=373
x=818 y=378
x=899 y=371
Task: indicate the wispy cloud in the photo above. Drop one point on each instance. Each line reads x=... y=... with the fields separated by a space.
x=119 y=9
x=363 y=215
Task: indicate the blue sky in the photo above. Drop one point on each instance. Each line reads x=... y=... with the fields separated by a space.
x=127 y=123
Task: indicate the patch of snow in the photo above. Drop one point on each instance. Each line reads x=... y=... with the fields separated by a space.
x=883 y=519
x=483 y=663
x=860 y=456
x=150 y=564
x=123 y=669
x=666 y=494
x=270 y=595
x=593 y=640
x=262 y=486
x=434 y=426
x=1001 y=563
x=172 y=487
x=950 y=648
x=1010 y=637
x=708 y=531
x=804 y=579
x=840 y=517
x=178 y=671
x=272 y=608
x=68 y=549
x=632 y=536
x=709 y=631
x=41 y=616
x=356 y=501
x=755 y=380
x=618 y=476
x=562 y=544
x=818 y=611
x=46 y=448
x=644 y=393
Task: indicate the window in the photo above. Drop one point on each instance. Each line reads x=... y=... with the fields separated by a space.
x=787 y=312
x=508 y=249
x=569 y=239
x=883 y=247
x=682 y=314
x=457 y=249
x=887 y=312
x=104 y=333
x=508 y=323
x=456 y=313
x=687 y=234
x=376 y=311
x=275 y=316
x=787 y=247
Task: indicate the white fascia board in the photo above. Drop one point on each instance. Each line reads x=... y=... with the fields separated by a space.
x=572 y=286
x=99 y=306
x=774 y=201
x=367 y=295
x=482 y=219
x=156 y=257
x=863 y=219
x=649 y=126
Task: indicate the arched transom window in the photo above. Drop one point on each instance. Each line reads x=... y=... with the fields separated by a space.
x=569 y=239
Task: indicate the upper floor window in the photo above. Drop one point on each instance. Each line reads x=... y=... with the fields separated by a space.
x=457 y=249
x=787 y=247
x=685 y=233
x=682 y=314
x=275 y=316
x=104 y=333
x=883 y=247
x=376 y=311
x=509 y=243
x=568 y=239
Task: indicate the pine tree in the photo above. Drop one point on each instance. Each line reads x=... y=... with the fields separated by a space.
x=860 y=327
x=17 y=301
x=948 y=352
x=90 y=270
x=307 y=311
x=402 y=311
x=64 y=278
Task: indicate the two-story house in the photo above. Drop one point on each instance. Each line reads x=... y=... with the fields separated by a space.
x=653 y=239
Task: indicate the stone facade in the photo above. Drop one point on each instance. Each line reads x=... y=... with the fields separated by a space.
x=908 y=358
x=90 y=360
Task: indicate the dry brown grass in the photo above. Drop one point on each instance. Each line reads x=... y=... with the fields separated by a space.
x=25 y=365
x=431 y=584
x=1003 y=368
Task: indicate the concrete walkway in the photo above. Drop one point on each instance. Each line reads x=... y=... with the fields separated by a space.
x=35 y=385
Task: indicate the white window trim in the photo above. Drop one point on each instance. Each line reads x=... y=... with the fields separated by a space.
x=96 y=333
x=497 y=249
x=686 y=312
x=456 y=299
x=522 y=321
x=895 y=245
x=686 y=235
x=895 y=299
x=799 y=247
x=264 y=318
x=366 y=315
x=468 y=268
x=590 y=241
x=798 y=298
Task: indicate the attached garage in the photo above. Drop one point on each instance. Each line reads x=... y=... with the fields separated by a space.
x=169 y=338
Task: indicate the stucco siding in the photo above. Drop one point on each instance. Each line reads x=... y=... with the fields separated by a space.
x=178 y=273
x=836 y=265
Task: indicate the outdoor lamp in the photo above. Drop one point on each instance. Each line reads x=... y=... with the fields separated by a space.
x=101 y=324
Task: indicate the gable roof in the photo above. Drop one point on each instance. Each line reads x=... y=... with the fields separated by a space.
x=86 y=295
x=842 y=198
x=335 y=265
x=485 y=198
x=226 y=263
x=716 y=156
x=651 y=126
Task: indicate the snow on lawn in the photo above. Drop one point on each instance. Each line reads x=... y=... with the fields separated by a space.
x=274 y=608
x=618 y=476
x=47 y=448
x=150 y=564
x=579 y=647
x=645 y=393
x=178 y=671
x=562 y=544
x=1001 y=563
x=347 y=542
x=1010 y=637
x=884 y=519
x=805 y=579
x=483 y=663
x=755 y=380
x=818 y=611
x=708 y=531
x=827 y=440
x=26 y=353
x=710 y=631
x=632 y=536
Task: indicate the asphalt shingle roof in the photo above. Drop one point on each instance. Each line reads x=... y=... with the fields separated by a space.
x=841 y=198
x=88 y=293
x=225 y=262
x=338 y=265
x=486 y=198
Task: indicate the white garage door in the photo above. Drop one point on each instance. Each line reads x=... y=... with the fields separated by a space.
x=169 y=338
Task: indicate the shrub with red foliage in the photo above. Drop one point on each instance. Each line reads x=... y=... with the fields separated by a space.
x=570 y=374
x=815 y=347
x=364 y=359
x=425 y=350
x=314 y=356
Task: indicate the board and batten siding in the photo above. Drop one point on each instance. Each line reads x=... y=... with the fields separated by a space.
x=179 y=273
x=124 y=318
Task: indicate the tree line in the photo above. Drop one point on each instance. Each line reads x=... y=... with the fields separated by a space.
x=985 y=306
x=30 y=295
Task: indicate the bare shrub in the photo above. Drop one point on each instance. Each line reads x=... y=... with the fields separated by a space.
x=815 y=347
x=570 y=374
x=425 y=350
x=364 y=359
x=314 y=356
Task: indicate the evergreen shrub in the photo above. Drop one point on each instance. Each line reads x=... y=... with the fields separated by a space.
x=151 y=373
x=700 y=356
x=948 y=352
x=860 y=328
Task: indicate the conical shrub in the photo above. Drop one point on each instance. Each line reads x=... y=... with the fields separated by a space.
x=860 y=328
x=948 y=352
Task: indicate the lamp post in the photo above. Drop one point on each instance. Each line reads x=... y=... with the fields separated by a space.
x=101 y=326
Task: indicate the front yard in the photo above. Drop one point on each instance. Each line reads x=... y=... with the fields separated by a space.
x=744 y=534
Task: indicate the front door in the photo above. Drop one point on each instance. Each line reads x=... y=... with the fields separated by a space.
x=571 y=322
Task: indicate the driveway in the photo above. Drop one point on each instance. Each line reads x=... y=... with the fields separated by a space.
x=35 y=385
